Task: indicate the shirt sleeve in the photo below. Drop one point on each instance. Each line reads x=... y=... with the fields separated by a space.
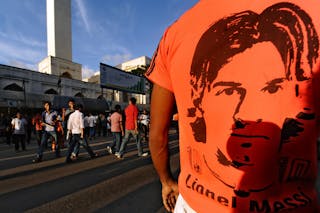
x=159 y=71
x=81 y=121
x=69 y=123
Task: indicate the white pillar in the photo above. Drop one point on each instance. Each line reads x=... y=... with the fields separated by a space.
x=59 y=29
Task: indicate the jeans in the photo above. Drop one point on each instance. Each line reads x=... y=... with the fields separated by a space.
x=144 y=130
x=126 y=139
x=19 y=138
x=44 y=141
x=38 y=136
x=76 y=141
x=92 y=132
x=115 y=146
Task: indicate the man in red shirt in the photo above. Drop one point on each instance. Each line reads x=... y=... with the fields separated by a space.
x=131 y=126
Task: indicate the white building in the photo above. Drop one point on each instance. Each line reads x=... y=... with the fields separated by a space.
x=22 y=88
x=59 y=78
x=140 y=62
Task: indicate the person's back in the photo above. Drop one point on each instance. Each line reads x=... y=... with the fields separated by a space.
x=92 y=121
x=115 y=120
x=245 y=78
x=131 y=112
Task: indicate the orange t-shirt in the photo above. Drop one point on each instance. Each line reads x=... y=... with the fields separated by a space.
x=36 y=121
x=245 y=77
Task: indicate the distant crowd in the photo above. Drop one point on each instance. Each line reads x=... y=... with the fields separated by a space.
x=72 y=128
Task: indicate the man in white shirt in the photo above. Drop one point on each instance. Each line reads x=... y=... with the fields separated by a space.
x=144 y=124
x=92 y=124
x=19 y=133
x=75 y=127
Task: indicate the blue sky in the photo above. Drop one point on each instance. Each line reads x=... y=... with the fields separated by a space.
x=108 y=31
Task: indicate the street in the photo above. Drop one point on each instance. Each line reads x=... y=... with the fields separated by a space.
x=103 y=184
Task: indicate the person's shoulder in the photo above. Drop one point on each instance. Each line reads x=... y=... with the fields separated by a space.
x=72 y=114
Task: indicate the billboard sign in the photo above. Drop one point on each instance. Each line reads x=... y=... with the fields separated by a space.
x=114 y=78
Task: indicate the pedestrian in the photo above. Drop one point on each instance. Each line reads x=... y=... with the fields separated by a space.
x=36 y=122
x=76 y=129
x=144 y=124
x=131 y=129
x=19 y=131
x=245 y=78
x=86 y=126
x=8 y=128
x=98 y=126
x=60 y=132
x=92 y=126
x=66 y=113
x=108 y=124
x=49 y=117
x=116 y=130
x=103 y=121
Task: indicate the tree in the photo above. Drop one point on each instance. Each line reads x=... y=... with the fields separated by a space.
x=141 y=70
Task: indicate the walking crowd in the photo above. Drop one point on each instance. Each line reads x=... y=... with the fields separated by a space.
x=71 y=128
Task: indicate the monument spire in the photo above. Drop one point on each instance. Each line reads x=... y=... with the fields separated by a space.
x=59 y=41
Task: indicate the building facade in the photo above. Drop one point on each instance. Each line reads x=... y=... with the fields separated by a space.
x=26 y=89
x=22 y=88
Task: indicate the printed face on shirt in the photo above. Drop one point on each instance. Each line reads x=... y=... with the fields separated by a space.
x=249 y=96
x=252 y=143
x=247 y=100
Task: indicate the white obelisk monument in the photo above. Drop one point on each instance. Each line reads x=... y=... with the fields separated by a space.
x=59 y=38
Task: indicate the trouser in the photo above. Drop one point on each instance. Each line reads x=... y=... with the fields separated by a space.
x=38 y=136
x=145 y=130
x=92 y=132
x=115 y=146
x=44 y=141
x=127 y=138
x=76 y=141
x=182 y=206
x=19 y=138
x=8 y=136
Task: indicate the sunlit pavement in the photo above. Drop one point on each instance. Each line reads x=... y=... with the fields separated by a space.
x=103 y=184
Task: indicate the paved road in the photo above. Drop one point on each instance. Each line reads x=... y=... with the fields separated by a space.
x=104 y=184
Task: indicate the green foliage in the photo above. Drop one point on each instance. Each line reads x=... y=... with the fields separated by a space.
x=140 y=70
